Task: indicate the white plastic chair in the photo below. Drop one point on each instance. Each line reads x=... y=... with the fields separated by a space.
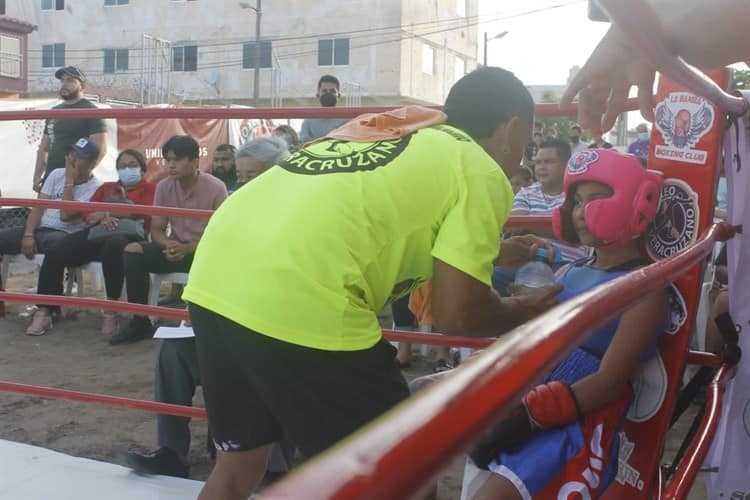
x=156 y=281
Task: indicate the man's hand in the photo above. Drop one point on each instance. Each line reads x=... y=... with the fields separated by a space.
x=28 y=246
x=518 y=250
x=108 y=222
x=37 y=186
x=176 y=251
x=604 y=82
x=70 y=169
x=535 y=301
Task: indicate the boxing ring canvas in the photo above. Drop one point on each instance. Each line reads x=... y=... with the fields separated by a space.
x=32 y=473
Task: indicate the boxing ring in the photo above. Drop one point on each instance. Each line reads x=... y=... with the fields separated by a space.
x=432 y=428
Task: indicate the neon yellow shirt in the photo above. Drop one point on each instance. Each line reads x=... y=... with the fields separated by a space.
x=308 y=252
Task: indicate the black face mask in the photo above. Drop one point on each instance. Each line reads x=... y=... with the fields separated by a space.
x=575 y=139
x=328 y=100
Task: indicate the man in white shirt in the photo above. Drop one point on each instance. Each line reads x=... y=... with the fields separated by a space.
x=44 y=227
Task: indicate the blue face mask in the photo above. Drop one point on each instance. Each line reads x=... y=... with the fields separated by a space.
x=643 y=136
x=129 y=176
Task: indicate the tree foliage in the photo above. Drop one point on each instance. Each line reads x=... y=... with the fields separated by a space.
x=561 y=123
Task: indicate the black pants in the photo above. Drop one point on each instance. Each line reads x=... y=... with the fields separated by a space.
x=152 y=260
x=76 y=250
x=46 y=239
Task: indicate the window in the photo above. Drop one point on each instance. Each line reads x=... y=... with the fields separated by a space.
x=116 y=2
x=10 y=56
x=460 y=68
x=461 y=8
x=248 y=55
x=53 y=4
x=115 y=60
x=53 y=55
x=428 y=59
x=2 y=7
x=333 y=52
x=185 y=58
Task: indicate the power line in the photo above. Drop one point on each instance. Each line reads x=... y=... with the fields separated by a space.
x=365 y=31
x=402 y=36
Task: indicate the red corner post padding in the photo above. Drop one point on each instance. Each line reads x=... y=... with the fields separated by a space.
x=685 y=145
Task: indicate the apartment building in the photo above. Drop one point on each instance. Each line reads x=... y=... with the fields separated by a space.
x=205 y=51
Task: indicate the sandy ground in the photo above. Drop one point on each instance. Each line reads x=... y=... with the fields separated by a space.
x=75 y=355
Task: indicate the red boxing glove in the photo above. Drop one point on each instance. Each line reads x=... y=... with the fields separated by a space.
x=551 y=405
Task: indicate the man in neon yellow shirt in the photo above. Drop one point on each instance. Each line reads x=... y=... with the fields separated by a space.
x=291 y=271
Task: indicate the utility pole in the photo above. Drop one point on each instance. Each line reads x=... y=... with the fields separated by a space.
x=486 y=39
x=485 y=48
x=256 y=69
x=256 y=76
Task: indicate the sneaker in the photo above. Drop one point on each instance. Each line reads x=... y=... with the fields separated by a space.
x=162 y=462
x=137 y=329
x=442 y=365
x=110 y=323
x=41 y=322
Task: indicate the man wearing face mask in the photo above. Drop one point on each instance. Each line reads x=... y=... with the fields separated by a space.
x=328 y=94
x=639 y=147
x=78 y=248
x=576 y=145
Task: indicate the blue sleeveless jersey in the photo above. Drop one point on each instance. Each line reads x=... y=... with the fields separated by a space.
x=580 y=277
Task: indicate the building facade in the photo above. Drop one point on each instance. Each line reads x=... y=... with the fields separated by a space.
x=14 y=51
x=204 y=51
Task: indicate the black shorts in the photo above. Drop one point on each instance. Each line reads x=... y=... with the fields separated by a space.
x=257 y=388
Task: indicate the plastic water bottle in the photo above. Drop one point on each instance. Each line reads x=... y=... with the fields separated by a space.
x=536 y=273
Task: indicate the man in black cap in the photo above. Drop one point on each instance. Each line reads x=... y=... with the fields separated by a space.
x=60 y=135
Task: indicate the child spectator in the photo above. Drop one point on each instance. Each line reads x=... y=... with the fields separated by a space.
x=521 y=179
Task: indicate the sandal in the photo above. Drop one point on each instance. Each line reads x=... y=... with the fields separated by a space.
x=40 y=323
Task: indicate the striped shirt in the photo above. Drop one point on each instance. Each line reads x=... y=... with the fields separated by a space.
x=535 y=202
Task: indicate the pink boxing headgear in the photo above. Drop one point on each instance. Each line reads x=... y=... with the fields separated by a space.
x=621 y=217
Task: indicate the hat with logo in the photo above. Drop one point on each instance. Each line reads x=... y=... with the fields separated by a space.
x=86 y=148
x=72 y=71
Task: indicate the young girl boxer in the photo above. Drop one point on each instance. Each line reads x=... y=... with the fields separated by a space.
x=564 y=437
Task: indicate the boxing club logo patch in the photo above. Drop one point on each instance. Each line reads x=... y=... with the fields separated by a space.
x=579 y=163
x=683 y=118
x=676 y=223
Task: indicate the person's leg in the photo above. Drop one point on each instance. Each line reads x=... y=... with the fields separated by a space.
x=10 y=240
x=235 y=474
x=241 y=424
x=111 y=256
x=497 y=487
x=175 y=382
x=175 y=379
x=60 y=251
x=714 y=342
x=72 y=250
x=140 y=260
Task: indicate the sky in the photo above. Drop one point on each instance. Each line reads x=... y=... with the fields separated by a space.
x=541 y=46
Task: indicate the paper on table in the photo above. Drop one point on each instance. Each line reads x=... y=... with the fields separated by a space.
x=174 y=332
